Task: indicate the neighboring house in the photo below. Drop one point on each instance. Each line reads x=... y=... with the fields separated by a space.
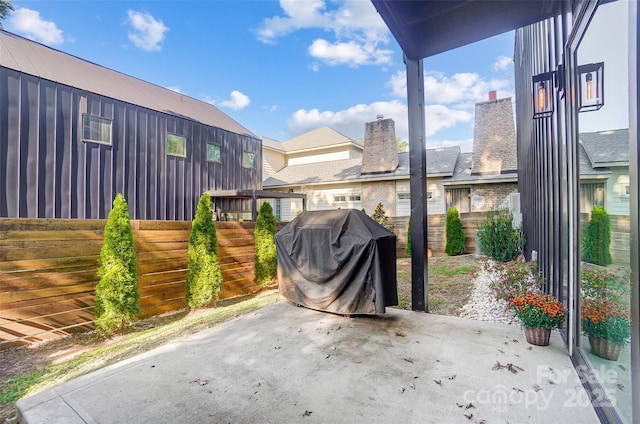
x=604 y=171
x=337 y=172
x=73 y=134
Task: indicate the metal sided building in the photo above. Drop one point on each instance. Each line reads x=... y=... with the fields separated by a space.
x=73 y=134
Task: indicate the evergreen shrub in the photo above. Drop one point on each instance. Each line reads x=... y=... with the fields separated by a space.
x=497 y=237
x=597 y=238
x=455 y=236
x=204 y=278
x=117 y=298
x=266 y=263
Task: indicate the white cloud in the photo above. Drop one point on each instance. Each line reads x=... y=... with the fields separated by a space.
x=462 y=89
x=176 y=89
x=349 y=53
x=29 y=23
x=351 y=121
x=503 y=63
x=147 y=32
x=356 y=25
x=237 y=101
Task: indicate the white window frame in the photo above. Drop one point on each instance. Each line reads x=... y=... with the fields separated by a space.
x=339 y=198
x=355 y=198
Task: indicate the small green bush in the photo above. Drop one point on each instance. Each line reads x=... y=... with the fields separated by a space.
x=597 y=238
x=117 y=298
x=408 y=248
x=380 y=216
x=204 y=278
x=266 y=261
x=497 y=237
x=455 y=236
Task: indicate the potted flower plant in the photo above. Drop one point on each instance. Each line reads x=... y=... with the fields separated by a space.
x=539 y=313
x=608 y=326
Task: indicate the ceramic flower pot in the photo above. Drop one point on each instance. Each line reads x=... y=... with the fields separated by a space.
x=604 y=348
x=537 y=336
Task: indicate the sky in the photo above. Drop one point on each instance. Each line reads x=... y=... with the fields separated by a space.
x=278 y=68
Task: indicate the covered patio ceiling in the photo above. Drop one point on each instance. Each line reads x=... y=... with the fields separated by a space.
x=425 y=28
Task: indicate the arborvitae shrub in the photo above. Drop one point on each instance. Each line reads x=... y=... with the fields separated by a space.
x=117 y=298
x=409 y=238
x=455 y=236
x=266 y=264
x=497 y=237
x=596 y=241
x=204 y=278
x=380 y=217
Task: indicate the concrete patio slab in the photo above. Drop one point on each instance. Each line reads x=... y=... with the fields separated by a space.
x=286 y=364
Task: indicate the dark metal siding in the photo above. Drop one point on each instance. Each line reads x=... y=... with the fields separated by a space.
x=542 y=160
x=47 y=172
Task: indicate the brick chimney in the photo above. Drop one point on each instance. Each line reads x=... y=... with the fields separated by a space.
x=380 y=150
x=494 y=138
x=493 y=96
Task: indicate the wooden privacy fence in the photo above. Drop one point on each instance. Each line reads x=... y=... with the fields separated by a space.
x=436 y=231
x=48 y=272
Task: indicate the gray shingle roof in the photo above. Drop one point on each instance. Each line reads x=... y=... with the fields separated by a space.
x=35 y=59
x=320 y=137
x=607 y=148
x=584 y=164
x=440 y=162
x=463 y=175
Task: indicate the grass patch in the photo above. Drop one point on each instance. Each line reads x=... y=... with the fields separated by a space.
x=16 y=387
x=404 y=301
x=448 y=272
x=435 y=303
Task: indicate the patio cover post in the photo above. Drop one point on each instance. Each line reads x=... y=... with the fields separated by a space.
x=254 y=206
x=417 y=184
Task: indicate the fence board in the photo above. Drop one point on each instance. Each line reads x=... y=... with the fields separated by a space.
x=48 y=271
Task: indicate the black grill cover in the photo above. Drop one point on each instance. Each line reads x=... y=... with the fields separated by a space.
x=338 y=261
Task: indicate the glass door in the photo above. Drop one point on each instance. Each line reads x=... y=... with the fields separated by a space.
x=601 y=102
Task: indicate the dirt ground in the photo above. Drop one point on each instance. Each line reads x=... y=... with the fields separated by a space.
x=450 y=283
x=450 y=286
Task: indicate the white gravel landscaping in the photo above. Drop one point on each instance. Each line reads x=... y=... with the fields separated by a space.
x=483 y=306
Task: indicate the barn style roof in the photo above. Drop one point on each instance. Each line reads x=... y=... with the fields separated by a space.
x=30 y=57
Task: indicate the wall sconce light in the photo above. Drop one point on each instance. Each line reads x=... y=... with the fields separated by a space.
x=543 y=94
x=591 y=85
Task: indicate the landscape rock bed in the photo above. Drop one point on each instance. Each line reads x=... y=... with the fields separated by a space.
x=483 y=305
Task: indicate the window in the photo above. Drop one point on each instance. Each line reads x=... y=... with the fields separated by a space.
x=354 y=198
x=407 y=196
x=626 y=190
x=176 y=145
x=460 y=198
x=591 y=194
x=213 y=153
x=278 y=209
x=96 y=129
x=341 y=198
x=248 y=159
